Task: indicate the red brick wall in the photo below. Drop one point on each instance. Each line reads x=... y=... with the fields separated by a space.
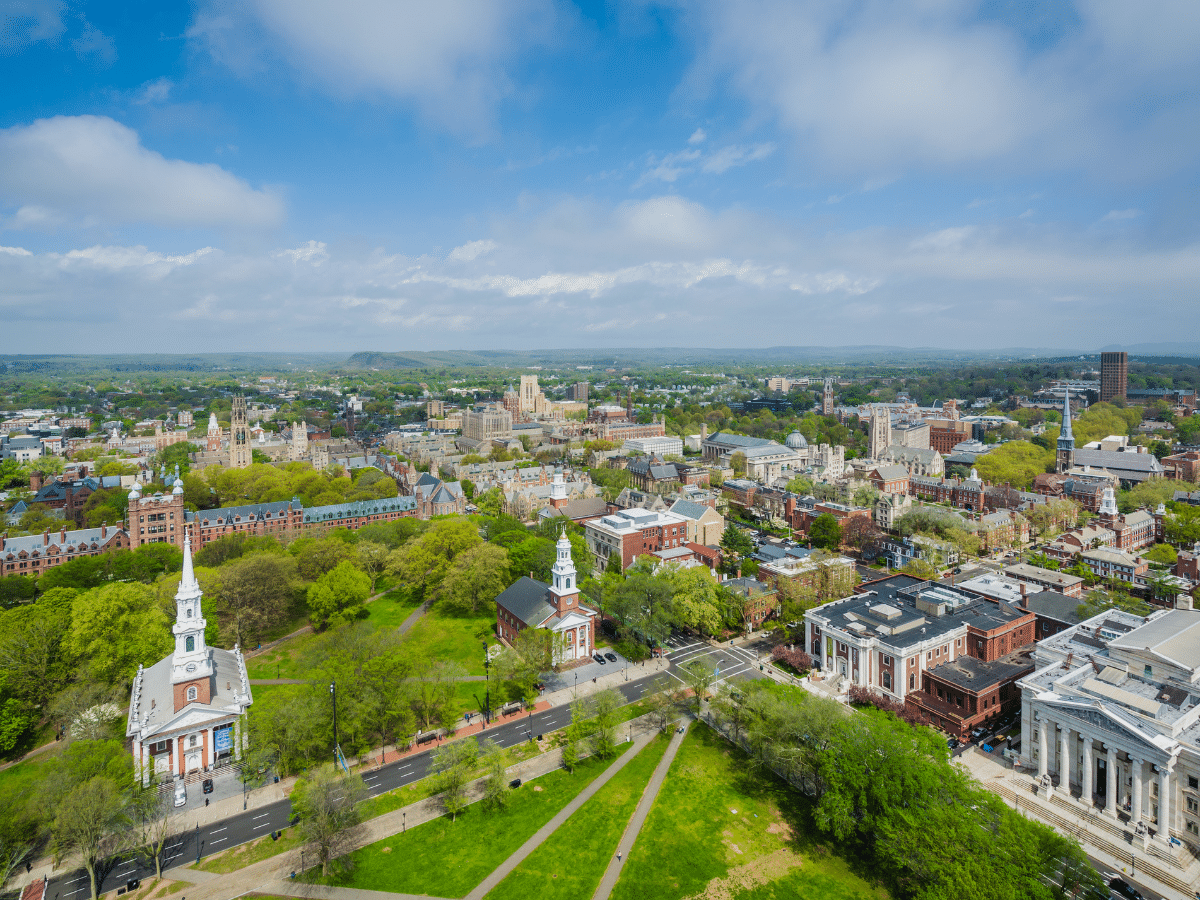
x=203 y=692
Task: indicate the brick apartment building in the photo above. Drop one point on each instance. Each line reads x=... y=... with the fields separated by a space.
x=953 y=656
x=36 y=553
x=631 y=533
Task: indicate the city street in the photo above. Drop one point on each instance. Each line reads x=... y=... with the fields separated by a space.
x=206 y=840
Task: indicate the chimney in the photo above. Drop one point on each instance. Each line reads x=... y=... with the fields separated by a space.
x=62 y=536
x=103 y=529
x=35 y=481
x=46 y=538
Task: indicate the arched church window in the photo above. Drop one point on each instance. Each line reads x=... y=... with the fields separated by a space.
x=189 y=613
x=190 y=644
x=192 y=695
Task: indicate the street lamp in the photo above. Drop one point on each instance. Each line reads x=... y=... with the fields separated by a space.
x=531 y=724
x=333 y=697
x=487 y=691
x=197 y=843
x=245 y=793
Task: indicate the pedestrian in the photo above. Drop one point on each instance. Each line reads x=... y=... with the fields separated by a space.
x=593 y=681
x=618 y=856
x=206 y=801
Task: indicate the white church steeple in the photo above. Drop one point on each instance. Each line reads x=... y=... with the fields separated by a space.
x=564 y=585
x=192 y=660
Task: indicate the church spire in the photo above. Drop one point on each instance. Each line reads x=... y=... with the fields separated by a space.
x=192 y=661
x=1065 y=458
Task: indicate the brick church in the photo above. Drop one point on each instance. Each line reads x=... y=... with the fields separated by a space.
x=186 y=713
x=529 y=603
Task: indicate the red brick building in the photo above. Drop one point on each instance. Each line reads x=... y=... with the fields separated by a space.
x=630 y=533
x=34 y=554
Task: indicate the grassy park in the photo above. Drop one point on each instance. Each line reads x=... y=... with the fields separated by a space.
x=717 y=829
x=447 y=859
x=592 y=834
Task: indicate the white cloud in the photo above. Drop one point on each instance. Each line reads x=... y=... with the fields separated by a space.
x=884 y=86
x=312 y=252
x=25 y=22
x=698 y=136
x=683 y=162
x=571 y=271
x=153 y=91
x=96 y=44
x=471 y=250
x=1120 y=215
x=447 y=57
x=92 y=170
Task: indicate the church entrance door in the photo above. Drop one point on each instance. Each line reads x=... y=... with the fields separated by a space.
x=193 y=760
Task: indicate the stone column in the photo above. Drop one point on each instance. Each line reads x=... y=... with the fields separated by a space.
x=1043 y=746
x=1064 y=761
x=1164 y=803
x=1135 y=806
x=1111 y=788
x=1086 y=796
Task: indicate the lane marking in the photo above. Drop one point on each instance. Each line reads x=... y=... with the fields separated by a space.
x=263 y=816
x=218 y=840
x=218 y=830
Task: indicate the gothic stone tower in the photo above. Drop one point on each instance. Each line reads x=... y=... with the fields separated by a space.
x=239 y=435
x=827 y=398
x=299 y=448
x=1065 y=459
x=880 y=428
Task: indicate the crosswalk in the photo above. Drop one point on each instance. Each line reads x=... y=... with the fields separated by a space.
x=727 y=660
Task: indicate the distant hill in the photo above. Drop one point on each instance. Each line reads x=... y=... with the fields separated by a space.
x=76 y=364
x=695 y=356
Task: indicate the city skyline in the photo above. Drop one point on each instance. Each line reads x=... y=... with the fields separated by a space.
x=273 y=177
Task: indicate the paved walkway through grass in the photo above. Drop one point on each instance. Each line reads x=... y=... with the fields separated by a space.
x=608 y=882
x=414 y=617
x=503 y=870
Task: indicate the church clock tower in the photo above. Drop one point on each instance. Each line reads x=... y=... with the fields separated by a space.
x=564 y=586
x=191 y=664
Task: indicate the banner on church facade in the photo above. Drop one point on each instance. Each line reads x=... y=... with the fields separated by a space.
x=224 y=738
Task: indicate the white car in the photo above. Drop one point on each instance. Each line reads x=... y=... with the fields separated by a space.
x=180 y=793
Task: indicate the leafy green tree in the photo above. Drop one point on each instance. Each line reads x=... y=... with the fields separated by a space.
x=605 y=707
x=329 y=806
x=696 y=598
x=256 y=593
x=532 y=653
x=319 y=556
x=699 y=677
x=371 y=558
x=534 y=556
x=1164 y=554
x=825 y=532
x=422 y=563
x=643 y=602
x=339 y=596
x=1016 y=463
x=15 y=590
x=1098 y=600
x=453 y=767
x=735 y=542
x=91 y=824
x=920 y=568
x=474 y=579
x=495 y=780
x=490 y=502
x=1182 y=525
x=115 y=629
x=295 y=723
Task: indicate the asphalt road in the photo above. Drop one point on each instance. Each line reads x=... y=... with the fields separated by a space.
x=255 y=823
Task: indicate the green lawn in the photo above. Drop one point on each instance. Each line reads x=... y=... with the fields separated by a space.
x=592 y=834
x=24 y=776
x=447 y=859
x=716 y=821
x=459 y=638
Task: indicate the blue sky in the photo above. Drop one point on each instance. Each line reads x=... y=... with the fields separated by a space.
x=294 y=175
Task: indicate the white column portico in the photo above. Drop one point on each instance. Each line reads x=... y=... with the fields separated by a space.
x=1111 y=787
x=1064 y=758
x=1043 y=747
x=1135 y=807
x=1088 y=768
x=1164 y=803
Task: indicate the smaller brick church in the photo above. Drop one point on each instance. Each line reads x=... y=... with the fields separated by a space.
x=529 y=603
x=186 y=711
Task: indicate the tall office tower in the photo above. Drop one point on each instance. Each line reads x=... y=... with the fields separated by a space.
x=1114 y=375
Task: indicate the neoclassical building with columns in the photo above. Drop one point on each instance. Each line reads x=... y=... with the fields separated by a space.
x=186 y=712
x=1111 y=721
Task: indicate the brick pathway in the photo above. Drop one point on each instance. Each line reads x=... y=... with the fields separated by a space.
x=639 y=817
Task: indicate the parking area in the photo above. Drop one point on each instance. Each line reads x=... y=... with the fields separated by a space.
x=556 y=681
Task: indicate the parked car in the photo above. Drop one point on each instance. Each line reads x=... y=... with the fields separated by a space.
x=180 y=793
x=610 y=656
x=207 y=785
x=598 y=658
x=952 y=743
x=1123 y=888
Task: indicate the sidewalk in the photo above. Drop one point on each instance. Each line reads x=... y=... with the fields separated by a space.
x=634 y=828
x=273 y=875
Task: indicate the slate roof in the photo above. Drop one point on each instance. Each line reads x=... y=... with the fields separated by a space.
x=356 y=508
x=689 y=509
x=737 y=440
x=251 y=512
x=81 y=538
x=1145 y=464
x=583 y=508
x=891 y=473
x=526 y=599
x=1053 y=605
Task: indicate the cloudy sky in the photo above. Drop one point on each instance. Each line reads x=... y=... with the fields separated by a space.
x=375 y=174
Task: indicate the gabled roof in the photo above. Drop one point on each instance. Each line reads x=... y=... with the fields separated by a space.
x=526 y=599
x=689 y=509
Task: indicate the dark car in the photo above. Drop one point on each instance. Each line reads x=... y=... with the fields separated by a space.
x=1123 y=888
x=207 y=786
x=952 y=743
x=610 y=656
x=598 y=658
